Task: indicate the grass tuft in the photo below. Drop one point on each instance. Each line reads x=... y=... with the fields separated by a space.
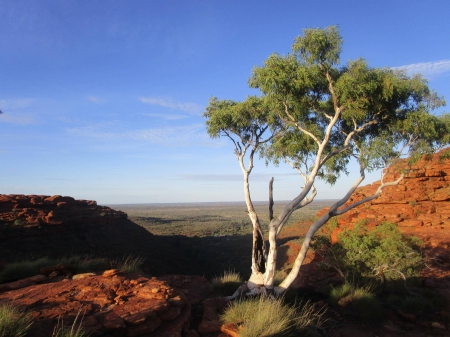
x=22 y=269
x=75 y=330
x=270 y=317
x=227 y=283
x=13 y=321
x=128 y=264
x=358 y=300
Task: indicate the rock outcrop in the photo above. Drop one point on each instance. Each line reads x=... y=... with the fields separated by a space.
x=419 y=205
x=107 y=305
x=37 y=210
x=34 y=226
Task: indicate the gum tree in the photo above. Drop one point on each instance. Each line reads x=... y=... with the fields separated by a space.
x=317 y=116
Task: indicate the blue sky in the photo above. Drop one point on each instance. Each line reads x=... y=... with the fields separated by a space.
x=103 y=100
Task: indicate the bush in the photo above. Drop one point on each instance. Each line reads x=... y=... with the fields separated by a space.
x=270 y=317
x=13 y=322
x=383 y=252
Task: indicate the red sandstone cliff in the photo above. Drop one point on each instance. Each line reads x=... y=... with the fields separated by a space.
x=419 y=204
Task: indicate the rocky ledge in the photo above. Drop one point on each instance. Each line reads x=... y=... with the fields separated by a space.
x=36 y=210
x=110 y=304
x=419 y=204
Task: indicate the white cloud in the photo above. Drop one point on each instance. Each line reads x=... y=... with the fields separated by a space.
x=169 y=117
x=11 y=111
x=169 y=135
x=14 y=104
x=95 y=99
x=192 y=108
x=14 y=119
x=232 y=177
x=427 y=69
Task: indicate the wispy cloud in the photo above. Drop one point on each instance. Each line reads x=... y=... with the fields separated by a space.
x=169 y=135
x=190 y=107
x=14 y=104
x=95 y=99
x=231 y=177
x=12 y=111
x=427 y=69
x=17 y=119
x=170 y=117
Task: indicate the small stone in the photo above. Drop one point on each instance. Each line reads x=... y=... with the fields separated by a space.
x=112 y=272
x=156 y=290
x=81 y=276
x=407 y=317
x=437 y=325
x=176 y=301
x=389 y=326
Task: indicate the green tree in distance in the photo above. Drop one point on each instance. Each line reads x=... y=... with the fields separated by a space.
x=316 y=116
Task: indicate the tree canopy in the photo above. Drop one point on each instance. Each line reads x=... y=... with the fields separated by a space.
x=316 y=115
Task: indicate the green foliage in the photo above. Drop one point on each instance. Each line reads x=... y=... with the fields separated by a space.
x=18 y=222
x=357 y=300
x=13 y=321
x=270 y=317
x=383 y=252
x=309 y=102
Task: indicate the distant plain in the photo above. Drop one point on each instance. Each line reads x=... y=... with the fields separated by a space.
x=216 y=236
x=210 y=218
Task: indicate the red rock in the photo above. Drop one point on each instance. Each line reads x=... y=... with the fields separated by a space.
x=112 y=272
x=137 y=316
x=230 y=330
x=419 y=204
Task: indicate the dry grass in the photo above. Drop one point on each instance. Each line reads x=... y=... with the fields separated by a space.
x=129 y=264
x=13 y=321
x=227 y=283
x=270 y=317
x=75 y=330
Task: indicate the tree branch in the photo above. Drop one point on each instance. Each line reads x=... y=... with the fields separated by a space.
x=286 y=109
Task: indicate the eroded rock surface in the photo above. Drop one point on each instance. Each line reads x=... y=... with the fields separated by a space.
x=109 y=305
x=419 y=204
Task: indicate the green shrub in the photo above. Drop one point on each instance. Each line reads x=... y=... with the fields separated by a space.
x=383 y=252
x=357 y=300
x=270 y=317
x=13 y=322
